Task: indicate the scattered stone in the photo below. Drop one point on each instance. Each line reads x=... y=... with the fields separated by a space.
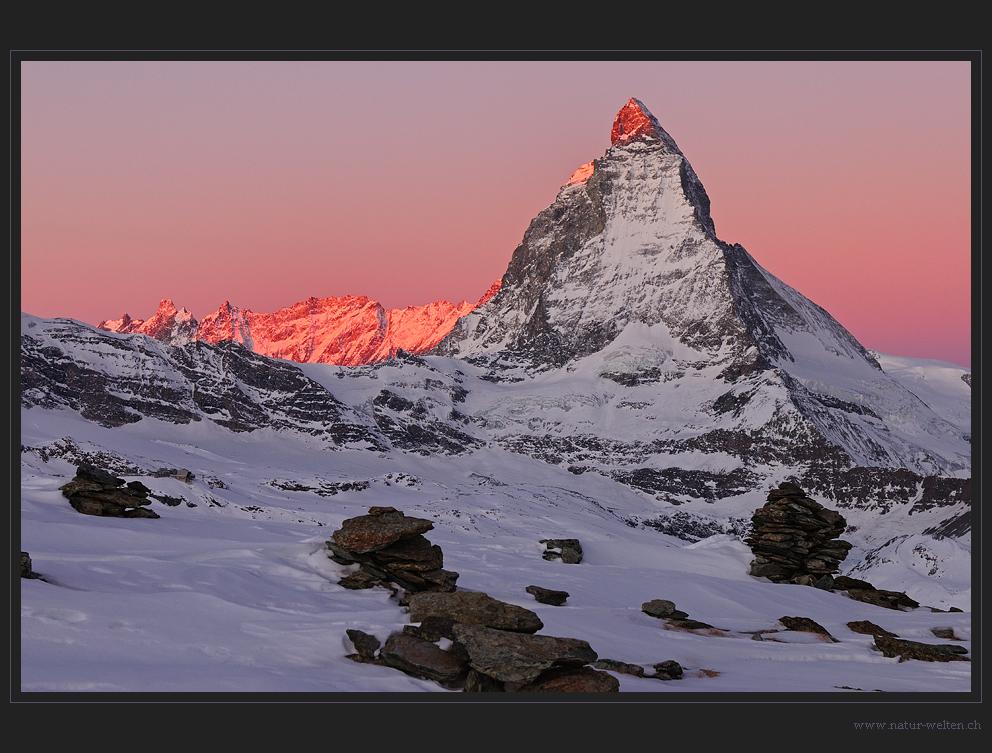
x=547 y=595
x=806 y=625
x=567 y=550
x=519 y=657
x=366 y=645
x=619 y=666
x=474 y=608
x=880 y=598
x=421 y=658
x=869 y=628
x=390 y=548
x=659 y=608
x=26 y=571
x=95 y=492
x=947 y=633
x=905 y=650
x=794 y=538
x=667 y=670
x=568 y=680
x=665 y=610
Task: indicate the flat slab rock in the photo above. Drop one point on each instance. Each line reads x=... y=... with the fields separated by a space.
x=422 y=658
x=473 y=608
x=377 y=530
x=519 y=657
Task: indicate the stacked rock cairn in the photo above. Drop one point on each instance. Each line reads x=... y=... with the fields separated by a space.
x=795 y=539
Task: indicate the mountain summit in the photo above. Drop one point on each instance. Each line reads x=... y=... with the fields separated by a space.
x=624 y=275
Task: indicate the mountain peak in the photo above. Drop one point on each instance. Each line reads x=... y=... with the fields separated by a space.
x=633 y=120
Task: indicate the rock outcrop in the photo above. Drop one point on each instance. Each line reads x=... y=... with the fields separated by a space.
x=95 y=492
x=795 y=539
x=566 y=550
x=390 y=548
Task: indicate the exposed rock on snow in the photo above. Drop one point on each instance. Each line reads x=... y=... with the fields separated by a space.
x=547 y=595
x=806 y=625
x=906 y=650
x=26 y=571
x=566 y=550
x=96 y=492
x=474 y=608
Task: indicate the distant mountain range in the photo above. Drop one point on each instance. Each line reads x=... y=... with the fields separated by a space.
x=348 y=331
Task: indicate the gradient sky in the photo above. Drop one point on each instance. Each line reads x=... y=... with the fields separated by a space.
x=264 y=183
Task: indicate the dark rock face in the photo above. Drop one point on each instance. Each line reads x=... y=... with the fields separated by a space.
x=566 y=550
x=115 y=380
x=96 y=492
x=794 y=539
x=390 y=548
x=474 y=608
x=547 y=595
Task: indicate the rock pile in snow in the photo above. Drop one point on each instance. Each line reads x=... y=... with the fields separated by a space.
x=795 y=539
x=470 y=640
x=390 y=548
x=95 y=492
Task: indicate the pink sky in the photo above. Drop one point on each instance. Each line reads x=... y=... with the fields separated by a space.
x=264 y=183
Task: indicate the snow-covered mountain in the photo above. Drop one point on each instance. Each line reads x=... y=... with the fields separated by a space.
x=632 y=380
x=348 y=331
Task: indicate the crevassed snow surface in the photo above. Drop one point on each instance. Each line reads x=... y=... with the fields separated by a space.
x=232 y=591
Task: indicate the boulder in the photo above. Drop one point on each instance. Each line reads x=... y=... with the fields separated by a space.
x=667 y=670
x=422 y=658
x=377 y=530
x=547 y=595
x=473 y=608
x=366 y=645
x=519 y=657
